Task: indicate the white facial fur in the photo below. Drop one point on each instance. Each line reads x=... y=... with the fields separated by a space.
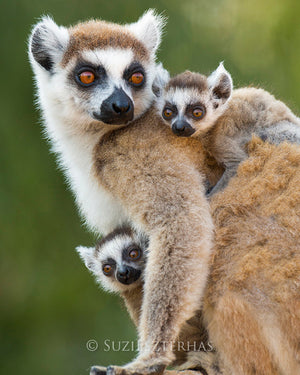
x=182 y=97
x=95 y=258
x=115 y=61
x=67 y=110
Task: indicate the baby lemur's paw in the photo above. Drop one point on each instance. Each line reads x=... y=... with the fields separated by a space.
x=210 y=192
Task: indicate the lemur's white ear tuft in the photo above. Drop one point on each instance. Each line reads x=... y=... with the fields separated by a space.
x=87 y=255
x=220 y=83
x=148 y=29
x=47 y=43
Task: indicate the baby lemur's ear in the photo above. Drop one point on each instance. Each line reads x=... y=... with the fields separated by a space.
x=148 y=29
x=161 y=79
x=47 y=43
x=87 y=254
x=220 y=84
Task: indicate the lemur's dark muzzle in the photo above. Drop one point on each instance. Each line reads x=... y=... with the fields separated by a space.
x=182 y=128
x=117 y=109
x=128 y=275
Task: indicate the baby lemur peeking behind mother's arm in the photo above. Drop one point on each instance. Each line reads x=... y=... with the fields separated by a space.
x=225 y=119
x=118 y=263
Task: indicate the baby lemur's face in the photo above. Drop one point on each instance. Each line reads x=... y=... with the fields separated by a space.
x=118 y=260
x=191 y=103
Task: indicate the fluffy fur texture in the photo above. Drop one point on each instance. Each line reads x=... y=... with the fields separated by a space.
x=143 y=175
x=192 y=349
x=68 y=109
x=154 y=191
x=229 y=118
x=252 y=302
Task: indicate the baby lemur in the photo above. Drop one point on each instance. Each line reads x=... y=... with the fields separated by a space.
x=118 y=262
x=225 y=119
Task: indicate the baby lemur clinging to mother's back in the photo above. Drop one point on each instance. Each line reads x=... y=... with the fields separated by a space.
x=118 y=262
x=225 y=119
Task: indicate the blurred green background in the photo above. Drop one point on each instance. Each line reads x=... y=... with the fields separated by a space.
x=50 y=305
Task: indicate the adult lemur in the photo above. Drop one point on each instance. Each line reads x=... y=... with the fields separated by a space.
x=118 y=262
x=224 y=119
x=93 y=79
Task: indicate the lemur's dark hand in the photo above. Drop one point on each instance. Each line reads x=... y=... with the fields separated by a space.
x=114 y=370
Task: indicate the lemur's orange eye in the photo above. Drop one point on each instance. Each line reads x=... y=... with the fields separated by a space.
x=137 y=78
x=167 y=113
x=87 y=77
x=198 y=113
x=107 y=268
x=134 y=253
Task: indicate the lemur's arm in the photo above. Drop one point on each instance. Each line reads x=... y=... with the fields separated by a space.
x=229 y=153
x=166 y=199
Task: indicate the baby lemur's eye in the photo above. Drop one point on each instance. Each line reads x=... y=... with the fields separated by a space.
x=198 y=112
x=87 y=77
x=134 y=254
x=136 y=78
x=167 y=113
x=107 y=269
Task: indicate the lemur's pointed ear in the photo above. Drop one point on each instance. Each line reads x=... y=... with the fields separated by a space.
x=220 y=83
x=161 y=79
x=87 y=255
x=47 y=43
x=148 y=29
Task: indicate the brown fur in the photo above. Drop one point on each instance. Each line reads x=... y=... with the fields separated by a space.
x=253 y=290
x=192 y=348
x=156 y=177
x=188 y=80
x=192 y=337
x=250 y=110
x=252 y=302
x=227 y=127
x=101 y=34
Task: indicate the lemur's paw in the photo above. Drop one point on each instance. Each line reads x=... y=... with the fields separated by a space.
x=185 y=372
x=98 y=370
x=115 y=370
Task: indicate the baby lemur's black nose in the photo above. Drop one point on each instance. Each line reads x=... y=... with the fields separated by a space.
x=117 y=109
x=182 y=128
x=128 y=275
x=122 y=274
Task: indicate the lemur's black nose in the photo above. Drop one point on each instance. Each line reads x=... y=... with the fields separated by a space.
x=182 y=128
x=121 y=106
x=117 y=109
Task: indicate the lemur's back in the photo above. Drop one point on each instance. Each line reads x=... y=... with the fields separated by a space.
x=251 y=109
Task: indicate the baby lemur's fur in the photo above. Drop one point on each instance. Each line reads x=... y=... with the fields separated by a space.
x=118 y=262
x=225 y=119
x=95 y=84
